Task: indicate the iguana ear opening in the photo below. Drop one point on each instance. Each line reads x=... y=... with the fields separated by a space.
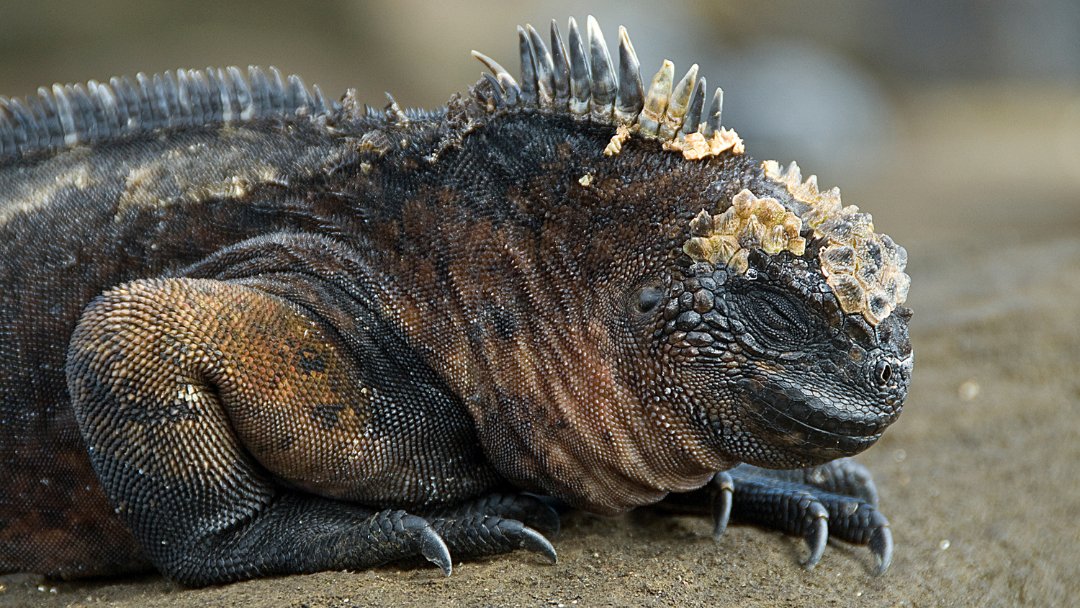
x=649 y=297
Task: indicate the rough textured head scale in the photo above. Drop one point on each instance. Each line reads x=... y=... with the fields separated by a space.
x=749 y=223
x=864 y=269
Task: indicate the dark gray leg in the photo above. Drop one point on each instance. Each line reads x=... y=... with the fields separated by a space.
x=837 y=500
x=497 y=523
x=172 y=382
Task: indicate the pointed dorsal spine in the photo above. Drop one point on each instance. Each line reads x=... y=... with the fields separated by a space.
x=579 y=77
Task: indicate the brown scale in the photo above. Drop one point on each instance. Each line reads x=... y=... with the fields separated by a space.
x=282 y=389
x=62 y=524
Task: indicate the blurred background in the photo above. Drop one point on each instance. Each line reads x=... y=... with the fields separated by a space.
x=957 y=124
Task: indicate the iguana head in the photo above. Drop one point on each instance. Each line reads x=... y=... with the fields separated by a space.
x=808 y=300
x=786 y=377
x=745 y=314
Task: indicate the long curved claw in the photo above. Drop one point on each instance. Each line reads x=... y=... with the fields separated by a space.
x=860 y=522
x=434 y=549
x=531 y=540
x=473 y=533
x=881 y=546
x=723 y=490
x=817 y=536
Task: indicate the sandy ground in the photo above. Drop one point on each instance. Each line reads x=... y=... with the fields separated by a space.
x=979 y=475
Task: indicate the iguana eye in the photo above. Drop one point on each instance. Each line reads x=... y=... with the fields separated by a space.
x=777 y=316
x=649 y=297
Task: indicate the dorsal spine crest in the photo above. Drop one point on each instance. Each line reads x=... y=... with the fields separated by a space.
x=68 y=115
x=669 y=112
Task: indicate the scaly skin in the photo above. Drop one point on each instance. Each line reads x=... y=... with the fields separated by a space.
x=318 y=341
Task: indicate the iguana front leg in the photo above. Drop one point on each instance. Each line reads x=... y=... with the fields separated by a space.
x=206 y=405
x=837 y=499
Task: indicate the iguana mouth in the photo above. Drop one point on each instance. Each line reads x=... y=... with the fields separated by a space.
x=800 y=424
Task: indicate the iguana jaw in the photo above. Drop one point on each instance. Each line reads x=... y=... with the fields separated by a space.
x=796 y=427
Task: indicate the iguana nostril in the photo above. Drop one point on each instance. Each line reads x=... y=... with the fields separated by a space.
x=883 y=372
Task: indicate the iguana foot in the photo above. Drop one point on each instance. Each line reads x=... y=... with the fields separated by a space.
x=837 y=499
x=394 y=535
x=497 y=523
x=533 y=511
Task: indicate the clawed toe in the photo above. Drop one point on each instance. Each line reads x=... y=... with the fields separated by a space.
x=497 y=523
x=482 y=535
x=723 y=488
x=861 y=523
x=434 y=549
x=531 y=540
x=817 y=535
x=836 y=500
x=400 y=535
x=881 y=546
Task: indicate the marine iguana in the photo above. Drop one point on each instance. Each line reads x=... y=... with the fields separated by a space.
x=245 y=331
